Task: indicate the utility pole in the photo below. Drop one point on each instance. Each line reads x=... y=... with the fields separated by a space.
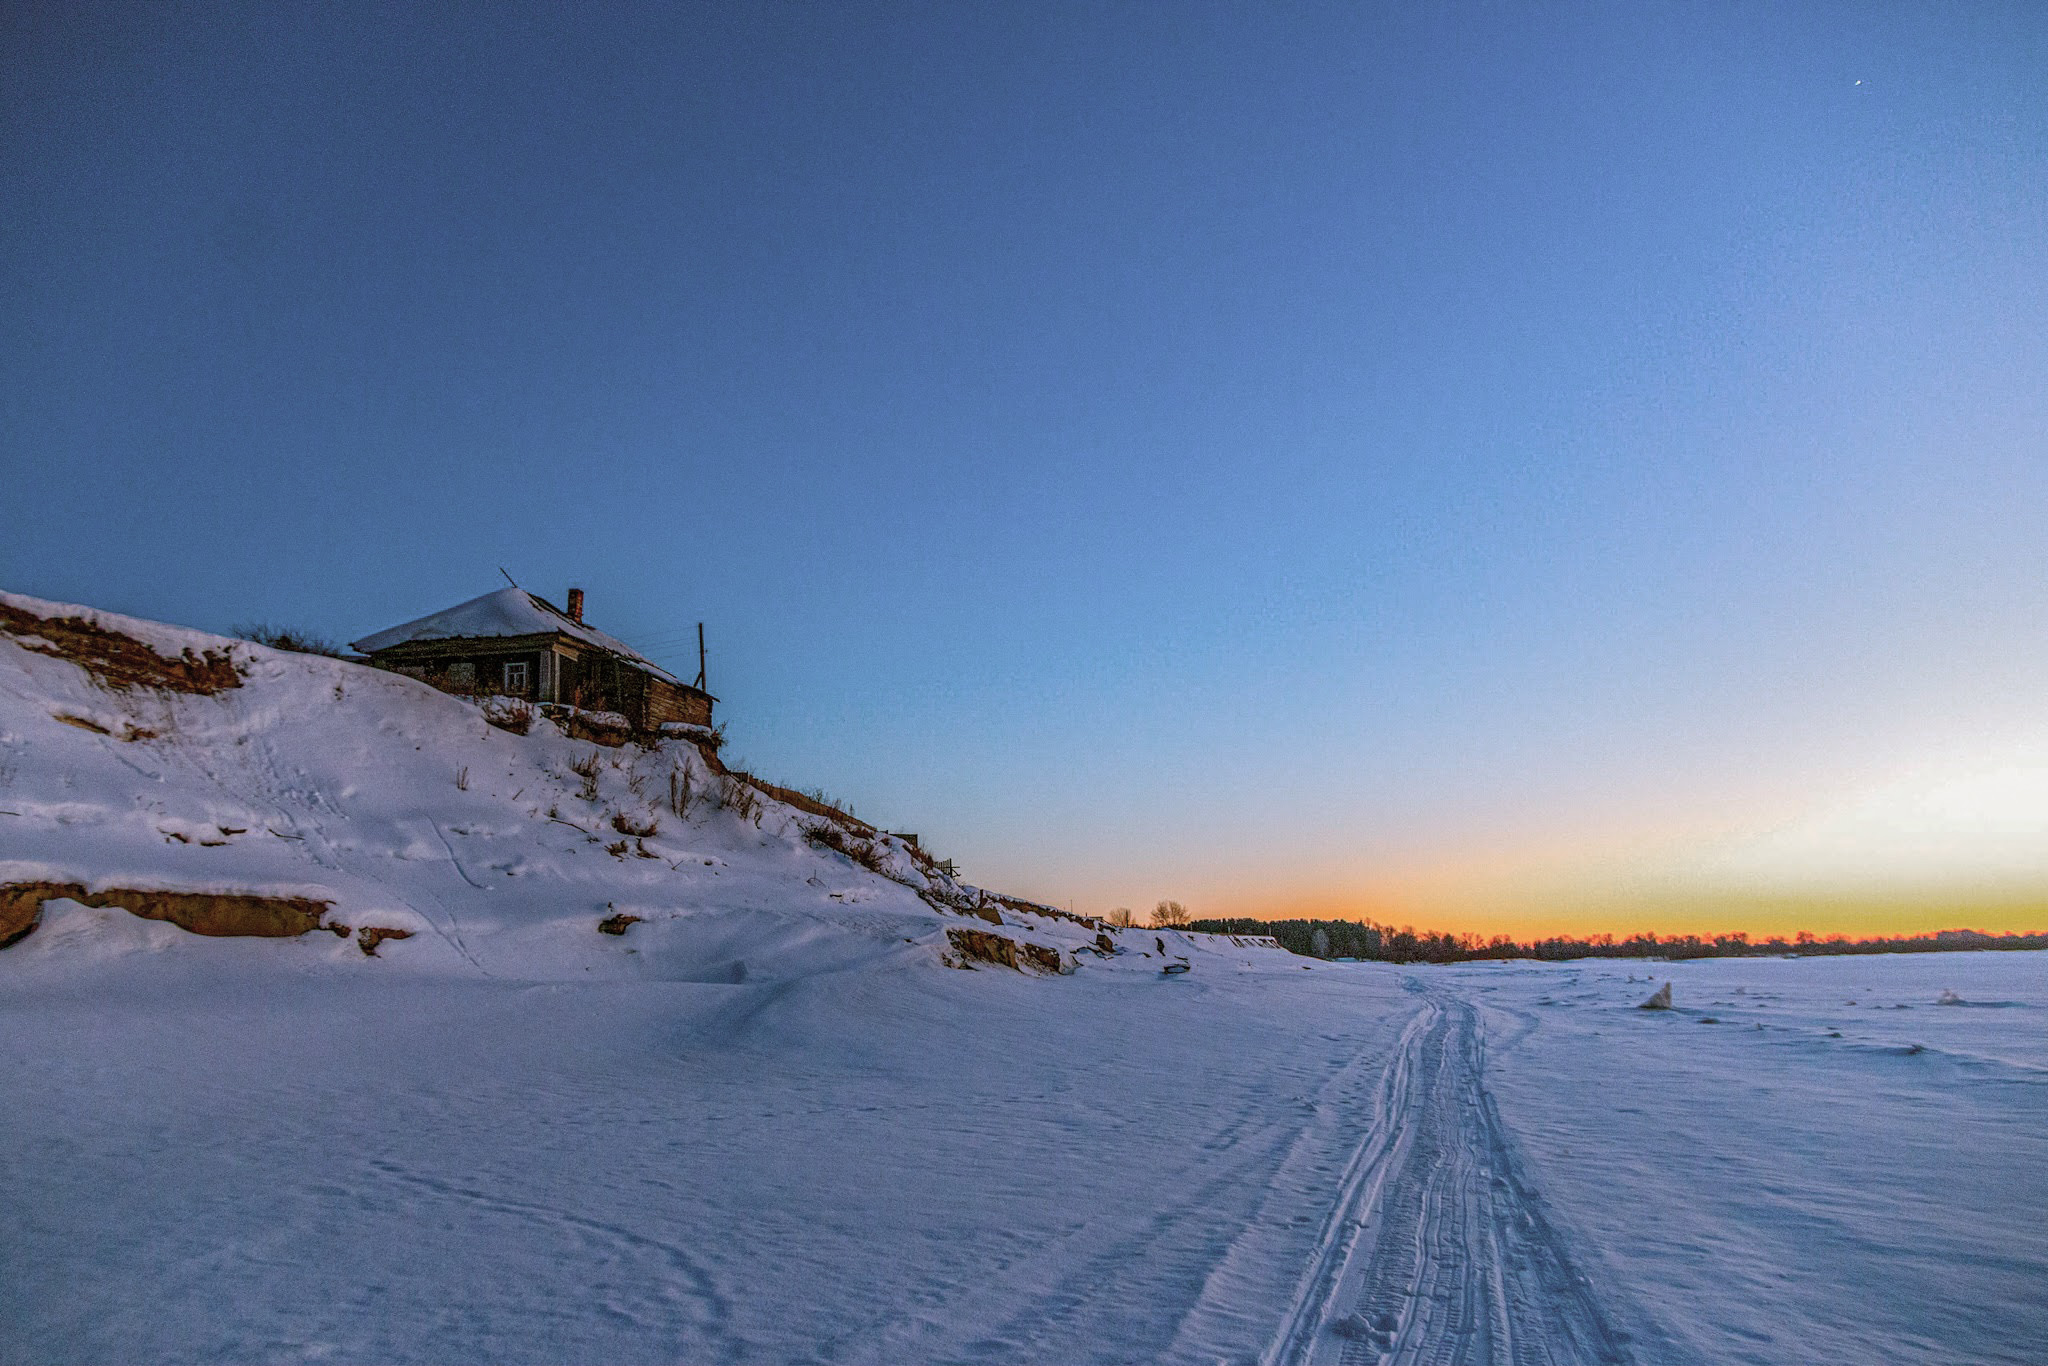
x=700 y=658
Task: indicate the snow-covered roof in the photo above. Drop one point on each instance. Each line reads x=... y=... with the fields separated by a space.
x=507 y=612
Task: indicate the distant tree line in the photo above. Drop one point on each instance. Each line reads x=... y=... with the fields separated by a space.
x=1384 y=944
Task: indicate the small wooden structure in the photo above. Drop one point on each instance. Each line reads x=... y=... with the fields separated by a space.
x=513 y=644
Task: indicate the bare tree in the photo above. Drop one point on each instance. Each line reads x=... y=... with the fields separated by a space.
x=1120 y=918
x=1169 y=915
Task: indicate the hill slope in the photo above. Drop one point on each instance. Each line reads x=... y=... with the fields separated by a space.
x=139 y=757
x=766 y=1122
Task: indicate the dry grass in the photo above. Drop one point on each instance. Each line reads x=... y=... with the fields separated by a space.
x=739 y=796
x=836 y=837
x=587 y=768
x=810 y=803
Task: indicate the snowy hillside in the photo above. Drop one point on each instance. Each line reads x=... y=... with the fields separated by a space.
x=767 y=1120
x=262 y=774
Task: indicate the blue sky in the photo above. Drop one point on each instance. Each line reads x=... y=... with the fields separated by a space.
x=1270 y=456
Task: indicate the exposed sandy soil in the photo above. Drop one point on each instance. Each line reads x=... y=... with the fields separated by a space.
x=219 y=914
x=118 y=661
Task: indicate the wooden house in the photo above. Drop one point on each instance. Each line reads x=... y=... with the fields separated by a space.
x=513 y=644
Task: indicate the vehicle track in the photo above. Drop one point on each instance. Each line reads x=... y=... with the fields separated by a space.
x=1439 y=1253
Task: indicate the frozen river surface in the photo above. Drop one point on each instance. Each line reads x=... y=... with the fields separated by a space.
x=215 y=1152
x=1809 y=1160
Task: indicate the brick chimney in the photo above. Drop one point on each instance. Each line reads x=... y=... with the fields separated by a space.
x=576 y=604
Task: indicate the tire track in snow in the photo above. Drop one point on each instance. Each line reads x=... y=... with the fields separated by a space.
x=1150 y=1262
x=1438 y=1252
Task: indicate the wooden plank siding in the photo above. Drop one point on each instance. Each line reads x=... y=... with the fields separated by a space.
x=666 y=702
x=556 y=668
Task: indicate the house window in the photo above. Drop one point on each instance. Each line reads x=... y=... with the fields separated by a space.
x=515 y=678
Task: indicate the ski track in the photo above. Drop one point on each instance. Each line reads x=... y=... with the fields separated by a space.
x=1438 y=1252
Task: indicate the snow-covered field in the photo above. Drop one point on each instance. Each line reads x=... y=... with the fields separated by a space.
x=768 y=1123
x=1839 y=1170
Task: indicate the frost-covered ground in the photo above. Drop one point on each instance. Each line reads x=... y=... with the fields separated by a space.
x=234 y=1161
x=769 y=1124
x=1840 y=1170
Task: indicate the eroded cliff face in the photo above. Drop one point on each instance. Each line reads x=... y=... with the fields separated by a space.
x=116 y=659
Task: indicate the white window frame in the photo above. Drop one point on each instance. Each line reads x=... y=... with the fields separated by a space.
x=518 y=678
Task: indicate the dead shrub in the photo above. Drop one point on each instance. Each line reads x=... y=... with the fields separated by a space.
x=616 y=924
x=679 y=791
x=288 y=638
x=638 y=829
